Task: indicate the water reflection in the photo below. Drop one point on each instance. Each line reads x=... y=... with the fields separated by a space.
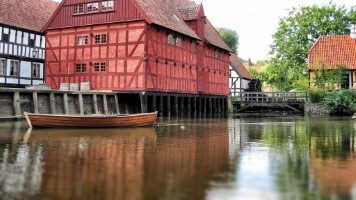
x=236 y=158
x=168 y=162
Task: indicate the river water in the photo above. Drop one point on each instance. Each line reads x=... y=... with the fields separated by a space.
x=233 y=158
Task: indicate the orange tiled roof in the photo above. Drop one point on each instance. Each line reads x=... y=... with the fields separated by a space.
x=333 y=51
x=27 y=14
x=167 y=14
x=239 y=68
x=173 y=15
x=189 y=12
x=213 y=37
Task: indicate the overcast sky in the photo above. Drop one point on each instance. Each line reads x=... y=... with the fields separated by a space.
x=254 y=20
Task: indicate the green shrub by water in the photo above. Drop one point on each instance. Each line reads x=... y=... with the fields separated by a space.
x=340 y=102
x=316 y=96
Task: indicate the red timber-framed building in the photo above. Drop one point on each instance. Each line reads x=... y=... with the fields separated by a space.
x=166 y=52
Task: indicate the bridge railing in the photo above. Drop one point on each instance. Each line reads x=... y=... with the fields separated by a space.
x=272 y=97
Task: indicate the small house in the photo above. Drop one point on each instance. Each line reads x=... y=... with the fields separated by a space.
x=22 y=44
x=239 y=76
x=331 y=52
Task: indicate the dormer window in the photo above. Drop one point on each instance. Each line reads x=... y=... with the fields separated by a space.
x=107 y=5
x=78 y=9
x=92 y=7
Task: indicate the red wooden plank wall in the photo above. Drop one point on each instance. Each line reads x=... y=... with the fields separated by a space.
x=124 y=10
x=170 y=68
x=191 y=68
x=123 y=54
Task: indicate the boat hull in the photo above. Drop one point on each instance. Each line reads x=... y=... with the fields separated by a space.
x=91 y=121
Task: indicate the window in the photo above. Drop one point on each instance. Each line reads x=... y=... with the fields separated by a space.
x=2 y=66
x=92 y=7
x=19 y=37
x=25 y=38
x=100 y=67
x=107 y=5
x=217 y=54
x=31 y=42
x=170 y=39
x=5 y=35
x=179 y=42
x=81 y=67
x=82 y=40
x=36 y=70
x=100 y=38
x=14 y=67
x=78 y=9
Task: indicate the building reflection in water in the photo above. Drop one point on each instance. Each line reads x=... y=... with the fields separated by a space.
x=333 y=158
x=167 y=162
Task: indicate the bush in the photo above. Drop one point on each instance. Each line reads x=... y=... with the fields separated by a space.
x=316 y=96
x=340 y=102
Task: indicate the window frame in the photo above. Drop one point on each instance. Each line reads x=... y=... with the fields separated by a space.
x=178 y=41
x=82 y=40
x=36 y=70
x=2 y=66
x=14 y=72
x=80 y=68
x=100 y=67
x=171 y=39
x=78 y=9
x=92 y=7
x=217 y=54
x=107 y=6
x=101 y=38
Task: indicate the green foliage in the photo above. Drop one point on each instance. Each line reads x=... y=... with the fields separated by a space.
x=328 y=79
x=340 y=101
x=230 y=37
x=277 y=74
x=298 y=31
x=316 y=95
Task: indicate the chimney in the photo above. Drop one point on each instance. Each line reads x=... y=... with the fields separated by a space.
x=353 y=31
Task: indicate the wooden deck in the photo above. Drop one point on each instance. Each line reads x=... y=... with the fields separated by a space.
x=273 y=100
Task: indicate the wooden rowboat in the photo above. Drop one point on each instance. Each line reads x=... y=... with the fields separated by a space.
x=90 y=121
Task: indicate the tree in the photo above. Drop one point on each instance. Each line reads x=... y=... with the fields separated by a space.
x=298 y=31
x=230 y=37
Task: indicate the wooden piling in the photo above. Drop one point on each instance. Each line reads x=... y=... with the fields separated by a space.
x=189 y=106
x=81 y=104
x=66 y=103
x=17 y=104
x=168 y=106
x=105 y=102
x=95 y=104
x=176 y=110
x=35 y=102
x=52 y=103
x=117 y=104
x=160 y=111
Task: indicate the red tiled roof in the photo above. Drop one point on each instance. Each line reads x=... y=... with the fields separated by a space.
x=166 y=14
x=239 y=68
x=173 y=15
x=27 y=14
x=333 y=51
x=189 y=12
x=213 y=37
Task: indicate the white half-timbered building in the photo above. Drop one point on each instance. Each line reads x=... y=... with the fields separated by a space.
x=22 y=45
x=239 y=77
